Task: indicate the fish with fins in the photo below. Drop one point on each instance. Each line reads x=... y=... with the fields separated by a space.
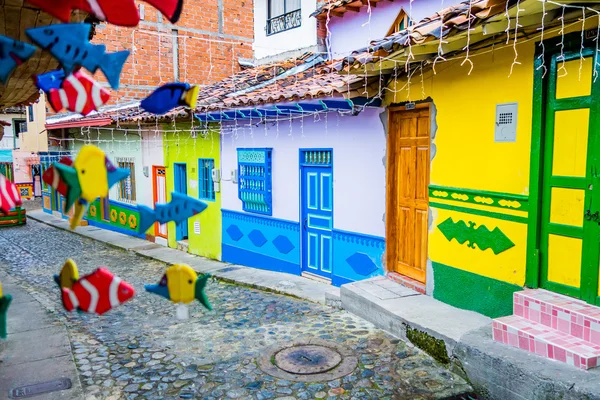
x=169 y=96
x=98 y=292
x=116 y=12
x=70 y=45
x=90 y=177
x=78 y=93
x=12 y=54
x=49 y=80
x=181 y=284
x=52 y=177
x=180 y=208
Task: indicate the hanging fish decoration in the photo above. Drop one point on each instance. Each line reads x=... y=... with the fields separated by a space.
x=179 y=209
x=97 y=292
x=181 y=284
x=116 y=12
x=12 y=54
x=52 y=177
x=5 y=300
x=70 y=45
x=78 y=92
x=9 y=195
x=169 y=96
x=90 y=177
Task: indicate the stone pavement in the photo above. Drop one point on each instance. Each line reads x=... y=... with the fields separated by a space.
x=140 y=350
x=273 y=281
x=37 y=349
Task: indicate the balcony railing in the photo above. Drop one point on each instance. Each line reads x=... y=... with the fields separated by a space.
x=284 y=22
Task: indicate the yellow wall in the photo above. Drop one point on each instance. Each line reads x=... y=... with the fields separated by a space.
x=36 y=137
x=466 y=156
x=181 y=148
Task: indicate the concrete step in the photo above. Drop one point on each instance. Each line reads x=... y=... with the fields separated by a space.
x=565 y=314
x=550 y=343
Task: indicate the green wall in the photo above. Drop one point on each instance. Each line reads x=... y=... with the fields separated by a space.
x=473 y=292
x=179 y=147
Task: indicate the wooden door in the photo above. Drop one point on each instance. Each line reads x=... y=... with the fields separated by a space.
x=317 y=217
x=159 y=178
x=570 y=210
x=180 y=180
x=407 y=192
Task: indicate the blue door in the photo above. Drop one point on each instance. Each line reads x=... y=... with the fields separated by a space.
x=317 y=217
x=180 y=180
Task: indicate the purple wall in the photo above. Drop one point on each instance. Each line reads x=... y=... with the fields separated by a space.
x=354 y=31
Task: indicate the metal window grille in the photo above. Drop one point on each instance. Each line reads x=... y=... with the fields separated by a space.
x=127 y=186
x=6 y=169
x=283 y=15
x=206 y=189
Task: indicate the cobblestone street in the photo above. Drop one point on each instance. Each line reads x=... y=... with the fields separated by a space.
x=140 y=350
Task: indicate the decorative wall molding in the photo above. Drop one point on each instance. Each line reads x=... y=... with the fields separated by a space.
x=358 y=238
x=266 y=221
x=492 y=199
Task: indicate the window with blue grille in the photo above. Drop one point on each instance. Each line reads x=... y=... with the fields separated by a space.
x=254 y=185
x=206 y=190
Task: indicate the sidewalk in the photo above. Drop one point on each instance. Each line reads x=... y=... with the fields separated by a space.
x=291 y=285
x=37 y=349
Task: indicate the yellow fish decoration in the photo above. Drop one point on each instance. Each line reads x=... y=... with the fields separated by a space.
x=90 y=177
x=69 y=274
x=181 y=284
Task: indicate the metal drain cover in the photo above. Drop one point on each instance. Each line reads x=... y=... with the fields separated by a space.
x=312 y=360
x=307 y=359
x=40 y=388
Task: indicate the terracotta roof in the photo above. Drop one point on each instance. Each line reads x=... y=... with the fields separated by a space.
x=17 y=16
x=488 y=22
x=308 y=76
x=337 y=8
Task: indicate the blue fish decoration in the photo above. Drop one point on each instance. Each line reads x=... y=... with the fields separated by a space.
x=50 y=80
x=179 y=209
x=169 y=96
x=12 y=54
x=70 y=45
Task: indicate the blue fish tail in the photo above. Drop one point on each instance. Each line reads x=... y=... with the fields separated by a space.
x=147 y=218
x=112 y=65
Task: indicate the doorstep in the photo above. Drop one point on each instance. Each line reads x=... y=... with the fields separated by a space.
x=277 y=282
x=497 y=371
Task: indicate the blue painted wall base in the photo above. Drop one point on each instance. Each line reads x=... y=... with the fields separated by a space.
x=116 y=229
x=239 y=256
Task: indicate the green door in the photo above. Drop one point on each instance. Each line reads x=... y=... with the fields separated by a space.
x=570 y=198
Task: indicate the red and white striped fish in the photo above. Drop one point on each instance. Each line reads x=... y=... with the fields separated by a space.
x=52 y=177
x=9 y=195
x=97 y=292
x=79 y=93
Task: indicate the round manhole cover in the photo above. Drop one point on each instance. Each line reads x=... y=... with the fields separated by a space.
x=307 y=359
x=311 y=360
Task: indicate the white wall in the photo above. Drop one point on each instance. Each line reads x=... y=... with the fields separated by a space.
x=152 y=154
x=359 y=147
x=293 y=39
x=7 y=141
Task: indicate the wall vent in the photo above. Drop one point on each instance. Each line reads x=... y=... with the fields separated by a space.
x=506 y=122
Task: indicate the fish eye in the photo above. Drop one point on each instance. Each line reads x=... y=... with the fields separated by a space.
x=124 y=291
x=83 y=171
x=190 y=281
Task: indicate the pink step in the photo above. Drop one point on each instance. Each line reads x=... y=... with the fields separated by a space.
x=546 y=342
x=566 y=314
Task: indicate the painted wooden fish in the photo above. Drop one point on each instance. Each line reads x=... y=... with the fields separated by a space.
x=9 y=195
x=91 y=176
x=49 y=80
x=12 y=54
x=70 y=45
x=5 y=300
x=97 y=292
x=78 y=93
x=169 y=96
x=179 y=209
x=52 y=177
x=181 y=284
x=116 y=12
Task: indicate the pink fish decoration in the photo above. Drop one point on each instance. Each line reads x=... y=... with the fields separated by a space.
x=9 y=195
